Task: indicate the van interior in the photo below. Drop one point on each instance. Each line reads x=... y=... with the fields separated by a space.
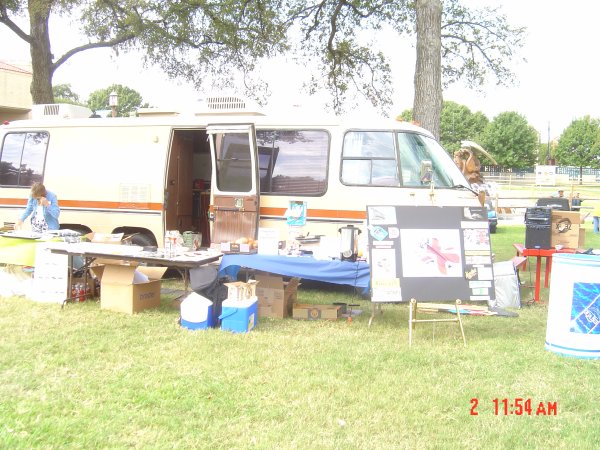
x=187 y=190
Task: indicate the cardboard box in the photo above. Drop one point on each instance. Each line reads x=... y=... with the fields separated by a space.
x=565 y=228
x=581 y=237
x=276 y=297
x=239 y=291
x=316 y=312
x=120 y=293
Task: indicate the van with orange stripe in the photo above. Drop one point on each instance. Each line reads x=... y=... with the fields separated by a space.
x=223 y=171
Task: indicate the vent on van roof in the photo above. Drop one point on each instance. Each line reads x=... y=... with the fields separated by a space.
x=60 y=111
x=210 y=105
x=221 y=103
x=226 y=104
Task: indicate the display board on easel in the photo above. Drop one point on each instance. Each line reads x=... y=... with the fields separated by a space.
x=429 y=253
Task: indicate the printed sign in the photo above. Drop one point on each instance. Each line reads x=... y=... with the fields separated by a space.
x=430 y=253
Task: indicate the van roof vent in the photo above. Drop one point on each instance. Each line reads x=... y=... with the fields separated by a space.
x=209 y=105
x=60 y=111
x=227 y=104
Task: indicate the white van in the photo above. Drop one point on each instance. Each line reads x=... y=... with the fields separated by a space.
x=224 y=172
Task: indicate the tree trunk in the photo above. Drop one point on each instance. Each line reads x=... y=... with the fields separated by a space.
x=41 y=54
x=427 y=107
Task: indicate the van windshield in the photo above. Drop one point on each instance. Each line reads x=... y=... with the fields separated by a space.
x=396 y=158
x=422 y=159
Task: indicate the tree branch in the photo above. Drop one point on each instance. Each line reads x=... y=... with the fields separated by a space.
x=91 y=45
x=13 y=26
x=471 y=45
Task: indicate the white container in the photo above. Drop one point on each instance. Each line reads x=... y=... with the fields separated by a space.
x=573 y=326
x=196 y=312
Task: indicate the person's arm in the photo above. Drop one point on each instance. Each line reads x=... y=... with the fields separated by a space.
x=27 y=212
x=51 y=205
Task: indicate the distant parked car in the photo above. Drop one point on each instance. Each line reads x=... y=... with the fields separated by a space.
x=492 y=215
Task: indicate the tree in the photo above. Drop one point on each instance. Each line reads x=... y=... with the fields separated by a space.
x=473 y=44
x=427 y=103
x=338 y=39
x=62 y=93
x=511 y=140
x=458 y=123
x=206 y=42
x=189 y=39
x=579 y=144
x=129 y=100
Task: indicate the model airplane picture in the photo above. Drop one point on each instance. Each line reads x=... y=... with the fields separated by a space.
x=443 y=258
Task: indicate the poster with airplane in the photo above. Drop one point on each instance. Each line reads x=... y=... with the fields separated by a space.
x=429 y=253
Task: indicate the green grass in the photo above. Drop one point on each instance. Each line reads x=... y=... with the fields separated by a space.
x=88 y=378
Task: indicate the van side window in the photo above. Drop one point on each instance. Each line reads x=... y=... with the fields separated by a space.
x=293 y=162
x=369 y=159
x=234 y=168
x=22 y=158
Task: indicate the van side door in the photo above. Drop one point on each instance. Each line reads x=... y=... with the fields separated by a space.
x=235 y=188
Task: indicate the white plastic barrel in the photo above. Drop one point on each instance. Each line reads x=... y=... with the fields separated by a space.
x=573 y=326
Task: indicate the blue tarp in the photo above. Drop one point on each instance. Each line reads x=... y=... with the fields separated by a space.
x=330 y=271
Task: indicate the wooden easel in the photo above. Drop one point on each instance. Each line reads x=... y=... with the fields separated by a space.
x=431 y=307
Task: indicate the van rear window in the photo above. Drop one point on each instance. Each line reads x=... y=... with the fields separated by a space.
x=22 y=158
x=293 y=162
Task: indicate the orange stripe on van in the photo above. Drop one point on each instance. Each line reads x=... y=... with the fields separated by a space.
x=87 y=204
x=110 y=205
x=13 y=201
x=321 y=213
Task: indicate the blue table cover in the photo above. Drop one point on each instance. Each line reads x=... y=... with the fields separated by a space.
x=330 y=271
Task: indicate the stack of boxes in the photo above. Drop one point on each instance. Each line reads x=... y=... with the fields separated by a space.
x=276 y=297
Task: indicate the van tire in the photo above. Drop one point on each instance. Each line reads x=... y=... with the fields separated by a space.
x=143 y=240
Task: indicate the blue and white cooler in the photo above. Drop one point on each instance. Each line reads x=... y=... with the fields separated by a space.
x=196 y=312
x=573 y=327
x=239 y=316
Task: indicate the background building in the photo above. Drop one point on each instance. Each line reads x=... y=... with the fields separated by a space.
x=15 y=95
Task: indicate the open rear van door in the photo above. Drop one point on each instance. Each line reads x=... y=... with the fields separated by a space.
x=235 y=182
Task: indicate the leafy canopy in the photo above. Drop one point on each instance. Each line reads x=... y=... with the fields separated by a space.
x=477 y=44
x=129 y=100
x=579 y=144
x=511 y=140
x=63 y=93
x=458 y=123
x=222 y=44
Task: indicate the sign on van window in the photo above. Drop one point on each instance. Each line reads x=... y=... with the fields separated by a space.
x=22 y=158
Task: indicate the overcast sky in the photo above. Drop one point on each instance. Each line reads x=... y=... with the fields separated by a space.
x=556 y=84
